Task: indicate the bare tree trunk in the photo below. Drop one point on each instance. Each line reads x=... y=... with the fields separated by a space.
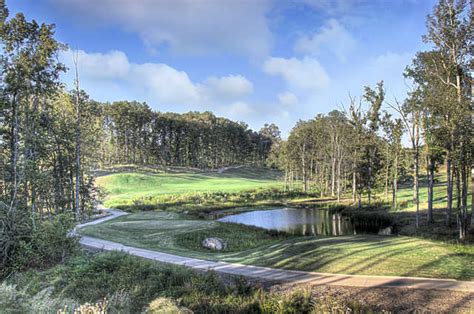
x=472 y=194
x=339 y=179
x=416 y=168
x=395 y=183
x=303 y=164
x=78 y=143
x=354 y=190
x=464 y=225
x=333 y=175
x=15 y=142
x=430 y=190
x=449 y=188
x=369 y=181
x=458 y=186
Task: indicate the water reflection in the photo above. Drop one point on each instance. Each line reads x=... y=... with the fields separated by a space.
x=307 y=221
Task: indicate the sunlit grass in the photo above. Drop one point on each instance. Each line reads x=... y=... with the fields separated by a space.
x=125 y=188
x=364 y=254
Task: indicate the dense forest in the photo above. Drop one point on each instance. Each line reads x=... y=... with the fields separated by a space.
x=51 y=138
x=133 y=133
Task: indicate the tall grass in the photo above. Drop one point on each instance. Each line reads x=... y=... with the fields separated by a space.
x=121 y=283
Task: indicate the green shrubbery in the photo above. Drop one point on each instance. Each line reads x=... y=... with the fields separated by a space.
x=40 y=242
x=48 y=243
x=121 y=283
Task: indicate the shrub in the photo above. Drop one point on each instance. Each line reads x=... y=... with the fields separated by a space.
x=47 y=244
x=41 y=244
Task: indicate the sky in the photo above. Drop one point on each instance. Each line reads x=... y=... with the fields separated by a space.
x=257 y=61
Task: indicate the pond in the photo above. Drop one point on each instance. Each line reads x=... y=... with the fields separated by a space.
x=306 y=221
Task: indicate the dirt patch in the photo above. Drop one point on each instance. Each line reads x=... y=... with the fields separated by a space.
x=395 y=299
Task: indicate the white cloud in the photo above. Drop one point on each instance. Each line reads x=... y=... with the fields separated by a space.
x=303 y=74
x=231 y=86
x=287 y=99
x=332 y=37
x=164 y=83
x=186 y=26
x=160 y=83
x=113 y=64
x=239 y=109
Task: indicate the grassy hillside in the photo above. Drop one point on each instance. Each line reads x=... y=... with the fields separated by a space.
x=123 y=188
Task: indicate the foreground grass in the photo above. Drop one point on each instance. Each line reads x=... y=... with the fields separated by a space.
x=363 y=255
x=125 y=188
x=118 y=283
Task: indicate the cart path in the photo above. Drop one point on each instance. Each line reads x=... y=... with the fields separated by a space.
x=272 y=274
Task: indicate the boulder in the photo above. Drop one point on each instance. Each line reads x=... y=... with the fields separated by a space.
x=386 y=231
x=214 y=243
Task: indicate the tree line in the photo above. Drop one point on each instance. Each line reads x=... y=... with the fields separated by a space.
x=134 y=133
x=360 y=147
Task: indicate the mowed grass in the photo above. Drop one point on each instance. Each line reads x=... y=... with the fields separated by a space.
x=176 y=233
x=364 y=254
x=125 y=188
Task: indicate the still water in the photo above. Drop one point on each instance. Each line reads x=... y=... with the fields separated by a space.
x=303 y=221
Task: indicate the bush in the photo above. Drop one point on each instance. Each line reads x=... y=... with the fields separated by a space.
x=41 y=244
x=47 y=244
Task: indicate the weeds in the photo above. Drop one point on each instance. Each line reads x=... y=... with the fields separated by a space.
x=120 y=283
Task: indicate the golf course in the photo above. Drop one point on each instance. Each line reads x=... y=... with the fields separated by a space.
x=181 y=233
x=249 y=156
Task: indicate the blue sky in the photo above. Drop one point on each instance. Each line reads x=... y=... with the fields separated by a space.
x=252 y=60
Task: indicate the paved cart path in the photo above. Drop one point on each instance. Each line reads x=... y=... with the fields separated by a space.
x=266 y=273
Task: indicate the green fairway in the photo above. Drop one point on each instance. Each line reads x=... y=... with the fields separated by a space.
x=127 y=187
x=365 y=254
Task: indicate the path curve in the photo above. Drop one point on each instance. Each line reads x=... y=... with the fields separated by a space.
x=272 y=274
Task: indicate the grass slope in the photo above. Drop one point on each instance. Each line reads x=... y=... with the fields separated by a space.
x=124 y=188
x=367 y=255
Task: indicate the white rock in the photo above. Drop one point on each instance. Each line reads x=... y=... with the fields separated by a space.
x=214 y=243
